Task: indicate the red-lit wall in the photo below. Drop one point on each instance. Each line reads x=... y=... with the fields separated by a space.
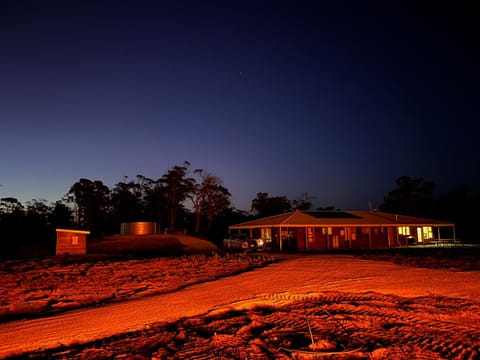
x=68 y=244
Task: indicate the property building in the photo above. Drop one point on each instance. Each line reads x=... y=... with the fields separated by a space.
x=325 y=230
x=139 y=228
x=73 y=242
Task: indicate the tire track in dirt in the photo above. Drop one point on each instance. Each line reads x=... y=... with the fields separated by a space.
x=330 y=324
x=236 y=317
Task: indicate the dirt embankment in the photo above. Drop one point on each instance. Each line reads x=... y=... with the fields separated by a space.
x=51 y=285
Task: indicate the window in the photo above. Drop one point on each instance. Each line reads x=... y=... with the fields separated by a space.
x=266 y=233
x=326 y=231
x=404 y=230
x=352 y=233
x=74 y=240
x=335 y=241
x=427 y=232
x=310 y=234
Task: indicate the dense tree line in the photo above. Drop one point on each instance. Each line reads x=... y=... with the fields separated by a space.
x=179 y=200
x=416 y=197
x=31 y=226
x=197 y=202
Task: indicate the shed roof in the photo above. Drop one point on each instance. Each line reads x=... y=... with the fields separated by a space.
x=73 y=231
x=338 y=218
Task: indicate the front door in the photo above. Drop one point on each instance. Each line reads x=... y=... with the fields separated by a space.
x=335 y=241
x=419 y=235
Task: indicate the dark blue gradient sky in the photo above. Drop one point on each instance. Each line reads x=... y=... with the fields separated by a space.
x=336 y=98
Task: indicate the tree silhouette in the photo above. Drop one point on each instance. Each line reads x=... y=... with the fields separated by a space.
x=413 y=196
x=31 y=226
x=12 y=225
x=176 y=187
x=92 y=200
x=9 y=205
x=126 y=201
x=460 y=206
x=61 y=215
x=209 y=197
x=264 y=205
x=302 y=203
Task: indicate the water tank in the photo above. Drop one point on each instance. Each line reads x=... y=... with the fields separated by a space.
x=138 y=228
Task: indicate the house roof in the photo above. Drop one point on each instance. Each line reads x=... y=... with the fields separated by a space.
x=338 y=218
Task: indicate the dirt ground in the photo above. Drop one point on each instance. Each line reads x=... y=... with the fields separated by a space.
x=332 y=325
x=290 y=325
x=46 y=286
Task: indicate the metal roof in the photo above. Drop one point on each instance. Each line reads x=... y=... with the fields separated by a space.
x=338 y=218
x=73 y=231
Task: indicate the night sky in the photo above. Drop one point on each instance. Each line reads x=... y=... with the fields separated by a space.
x=336 y=99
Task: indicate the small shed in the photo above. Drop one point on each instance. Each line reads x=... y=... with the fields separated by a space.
x=73 y=242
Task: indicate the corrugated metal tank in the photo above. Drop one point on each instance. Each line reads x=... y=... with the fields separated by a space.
x=138 y=228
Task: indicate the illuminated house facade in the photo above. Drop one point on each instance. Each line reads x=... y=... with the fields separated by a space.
x=326 y=230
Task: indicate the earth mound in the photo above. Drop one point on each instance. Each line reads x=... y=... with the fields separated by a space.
x=159 y=244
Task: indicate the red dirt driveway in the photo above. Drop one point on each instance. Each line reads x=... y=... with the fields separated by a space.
x=278 y=284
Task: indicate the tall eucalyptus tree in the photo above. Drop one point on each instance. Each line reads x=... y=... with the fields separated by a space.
x=92 y=199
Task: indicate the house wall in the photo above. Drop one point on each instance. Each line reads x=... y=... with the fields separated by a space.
x=326 y=238
x=379 y=237
x=274 y=244
x=336 y=237
x=301 y=235
x=315 y=239
x=290 y=238
x=392 y=236
x=341 y=237
x=320 y=238
x=73 y=243
x=360 y=237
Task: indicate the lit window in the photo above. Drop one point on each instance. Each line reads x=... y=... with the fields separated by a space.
x=310 y=234
x=404 y=230
x=266 y=233
x=427 y=232
x=74 y=240
x=335 y=241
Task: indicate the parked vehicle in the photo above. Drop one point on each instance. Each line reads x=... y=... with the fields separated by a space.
x=241 y=242
x=260 y=244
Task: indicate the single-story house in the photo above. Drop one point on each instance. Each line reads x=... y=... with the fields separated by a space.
x=325 y=230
